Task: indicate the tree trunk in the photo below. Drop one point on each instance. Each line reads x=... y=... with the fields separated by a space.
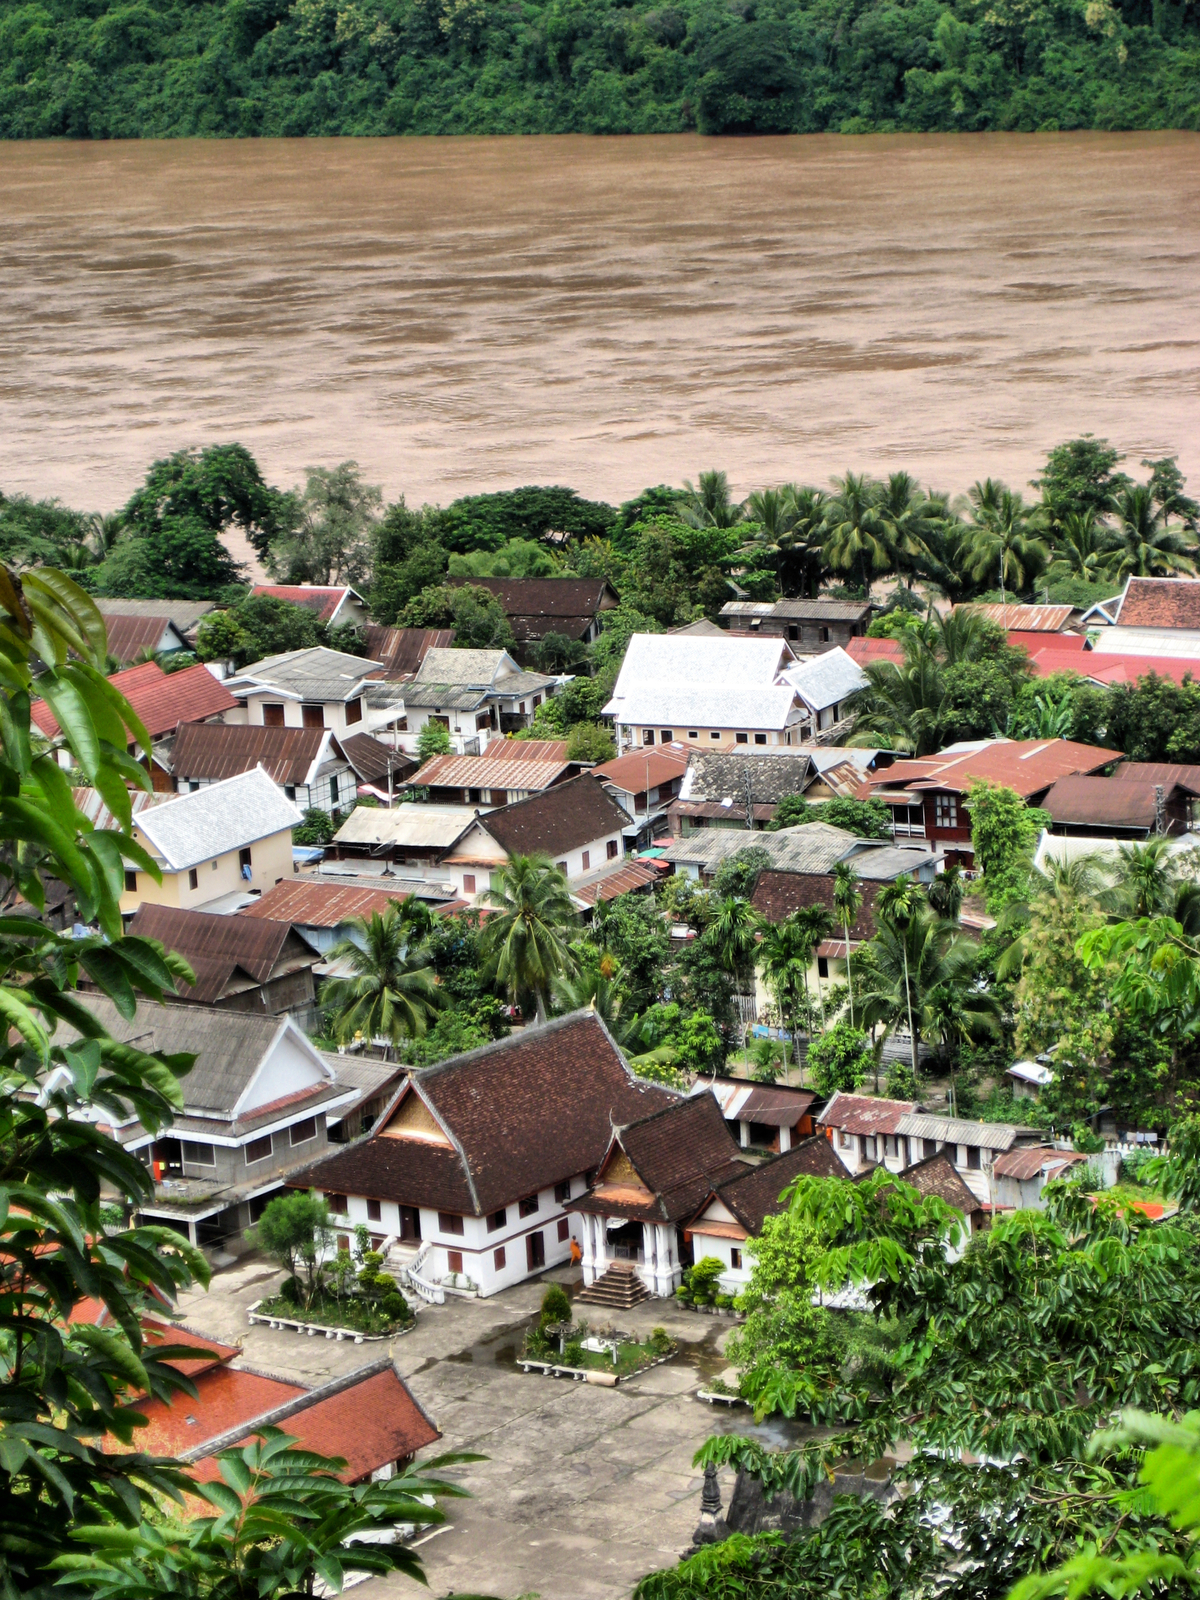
x=850 y=977
x=912 y=1033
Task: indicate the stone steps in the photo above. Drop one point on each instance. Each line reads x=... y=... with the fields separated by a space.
x=618 y=1289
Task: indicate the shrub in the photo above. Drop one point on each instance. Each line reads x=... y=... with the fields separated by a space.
x=396 y=1307
x=556 y=1307
x=292 y=1291
x=316 y=827
x=703 y=1279
x=723 y=1301
x=660 y=1341
x=433 y=740
x=573 y=1354
x=839 y=1059
x=901 y=1085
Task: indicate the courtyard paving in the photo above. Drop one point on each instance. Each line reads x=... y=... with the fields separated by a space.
x=584 y=1489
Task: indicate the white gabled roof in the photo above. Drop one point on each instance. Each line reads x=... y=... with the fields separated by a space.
x=681 y=680
x=224 y=816
x=826 y=679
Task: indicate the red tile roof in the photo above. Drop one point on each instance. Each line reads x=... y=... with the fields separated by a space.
x=161 y=699
x=937 y=1175
x=558 y=820
x=861 y=1113
x=681 y=1153
x=658 y=764
x=323 y=600
x=367 y=1421
x=1161 y=603
x=314 y=904
x=227 y=1398
x=526 y=1112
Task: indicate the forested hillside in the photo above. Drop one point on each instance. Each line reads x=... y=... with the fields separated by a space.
x=153 y=68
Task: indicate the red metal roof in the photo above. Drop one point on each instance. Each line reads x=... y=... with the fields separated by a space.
x=227 y=1398
x=402 y=650
x=1027 y=766
x=865 y=651
x=319 y=598
x=1027 y=1163
x=161 y=699
x=129 y=636
x=633 y=875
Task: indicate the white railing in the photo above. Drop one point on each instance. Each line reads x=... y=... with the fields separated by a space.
x=431 y=1292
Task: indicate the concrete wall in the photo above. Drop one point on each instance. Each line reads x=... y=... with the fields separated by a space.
x=477 y=1244
x=270 y=862
x=705 y=737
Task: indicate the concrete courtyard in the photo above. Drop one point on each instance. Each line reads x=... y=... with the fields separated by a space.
x=584 y=1489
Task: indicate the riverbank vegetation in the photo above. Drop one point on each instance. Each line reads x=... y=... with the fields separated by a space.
x=112 y=69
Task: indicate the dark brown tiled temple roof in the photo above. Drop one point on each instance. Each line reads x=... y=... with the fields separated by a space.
x=557 y=820
x=754 y=1193
x=526 y=1113
x=681 y=1153
x=778 y=894
x=936 y=1175
x=538 y=606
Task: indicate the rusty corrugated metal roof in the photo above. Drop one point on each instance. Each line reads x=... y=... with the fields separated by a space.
x=402 y=650
x=216 y=750
x=320 y=905
x=502 y=771
x=215 y=947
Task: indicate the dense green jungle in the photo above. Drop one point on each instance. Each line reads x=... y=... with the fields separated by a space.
x=119 y=69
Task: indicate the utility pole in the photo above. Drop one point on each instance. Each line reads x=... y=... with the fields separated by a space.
x=749 y=795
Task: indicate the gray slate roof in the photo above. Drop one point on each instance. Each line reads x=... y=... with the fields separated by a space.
x=313 y=674
x=225 y=816
x=469 y=668
x=228 y=1045
x=798 y=610
x=811 y=847
x=956 y=1130
x=721 y=774
x=419 y=696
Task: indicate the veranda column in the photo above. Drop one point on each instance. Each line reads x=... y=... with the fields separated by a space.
x=588 y=1247
x=601 y=1226
x=664 y=1281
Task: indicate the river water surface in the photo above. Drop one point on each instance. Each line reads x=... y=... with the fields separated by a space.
x=458 y=314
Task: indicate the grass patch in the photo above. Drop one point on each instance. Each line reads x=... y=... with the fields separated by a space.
x=333 y=1313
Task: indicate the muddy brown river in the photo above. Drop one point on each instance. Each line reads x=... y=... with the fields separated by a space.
x=458 y=314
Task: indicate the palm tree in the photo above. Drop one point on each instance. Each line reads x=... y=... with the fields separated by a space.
x=801 y=547
x=1147 y=881
x=924 y=971
x=598 y=988
x=772 y=509
x=784 y=956
x=104 y=531
x=392 y=991
x=945 y=893
x=732 y=936
x=1083 y=548
x=1002 y=538
x=1147 y=547
x=525 y=940
x=857 y=532
x=847 y=902
x=814 y=924
x=708 y=504
x=895 y=914
x=907 y=512
x=958 y=1013
x=901 y=703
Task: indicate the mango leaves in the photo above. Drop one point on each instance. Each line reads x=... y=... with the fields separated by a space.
x=281 y=1517
x=65 y=1383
